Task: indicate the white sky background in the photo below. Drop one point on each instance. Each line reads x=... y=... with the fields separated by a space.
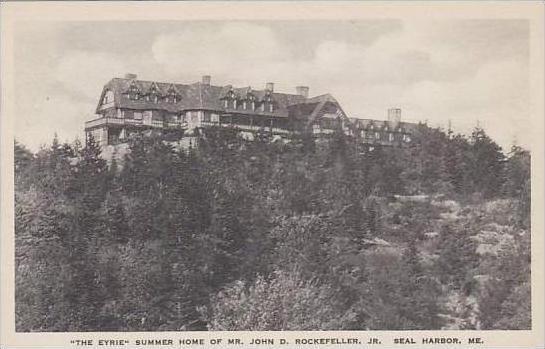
x=466 y=71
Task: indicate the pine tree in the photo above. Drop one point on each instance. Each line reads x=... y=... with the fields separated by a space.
x=420 y=292
x=457 y=256
x=456 y=165
x=486 y=164
x=23 y=157
x=23 y=162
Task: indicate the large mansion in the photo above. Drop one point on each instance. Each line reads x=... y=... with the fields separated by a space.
x=128 y=105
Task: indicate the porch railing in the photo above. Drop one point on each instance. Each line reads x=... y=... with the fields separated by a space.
x=105 y=121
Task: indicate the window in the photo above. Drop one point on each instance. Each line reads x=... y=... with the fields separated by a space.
x=108 y=97
x=137 y=115
x=133 y=91
x=225 y=103
x=329 y=123
x=253 y=105
x=244 y=105
x=172 y=95
x=147 y=117
x=391 y=137
x=377 y=135
x=206 y=117
x=215 y=118
x=194 y=116
x=271 y=107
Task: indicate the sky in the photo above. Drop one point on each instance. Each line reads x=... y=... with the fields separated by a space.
x=466 y=72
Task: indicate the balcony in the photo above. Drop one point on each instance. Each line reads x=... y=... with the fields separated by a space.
x=105 y=121
x=247 y=128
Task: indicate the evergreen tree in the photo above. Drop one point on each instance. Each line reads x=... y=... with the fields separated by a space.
x=457 y=256
x=486 y=164
x=231 y=226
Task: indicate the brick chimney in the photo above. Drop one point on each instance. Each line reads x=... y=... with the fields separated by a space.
x=302 y=91
x=206 y=79
x=269 y=86
x=131 y=76
x=394 y=117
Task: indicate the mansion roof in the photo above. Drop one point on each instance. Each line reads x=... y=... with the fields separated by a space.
x=173 y=97
x=133 y=94
x=383 y=125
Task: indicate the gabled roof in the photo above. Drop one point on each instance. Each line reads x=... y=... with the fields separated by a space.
x=326 y=105
x=193 y=96
x=382 y=124
x=201 y=96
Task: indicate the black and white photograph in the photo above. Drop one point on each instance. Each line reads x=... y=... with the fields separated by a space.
x=368 y=174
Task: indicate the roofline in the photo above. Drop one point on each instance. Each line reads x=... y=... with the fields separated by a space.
x=199 y=83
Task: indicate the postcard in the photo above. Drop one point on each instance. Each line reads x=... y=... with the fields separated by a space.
x=306 y=174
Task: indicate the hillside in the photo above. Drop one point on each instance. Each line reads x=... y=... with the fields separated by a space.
x=310 y=234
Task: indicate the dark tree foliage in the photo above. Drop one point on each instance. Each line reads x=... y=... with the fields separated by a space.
x=485 y=164
x=457 y=258
x=308 y=234
x=518 y=182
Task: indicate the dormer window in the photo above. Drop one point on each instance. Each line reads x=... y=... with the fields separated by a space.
x=230 y=100
x=153 y=93
x=267 y=102
x=108 y=97
x=249 y=102
x=133 y=92
x=172 y=95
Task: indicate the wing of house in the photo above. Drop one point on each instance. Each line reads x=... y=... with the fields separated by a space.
x=128 y=105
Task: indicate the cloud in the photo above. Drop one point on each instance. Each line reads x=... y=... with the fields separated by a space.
x=84 y=73
x=234 y=52
x=54 y=114
x=434 y=80
x=496 y=96
x=64 y=96
x=436 y=70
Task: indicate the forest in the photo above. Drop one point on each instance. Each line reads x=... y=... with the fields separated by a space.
x=307 y=234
